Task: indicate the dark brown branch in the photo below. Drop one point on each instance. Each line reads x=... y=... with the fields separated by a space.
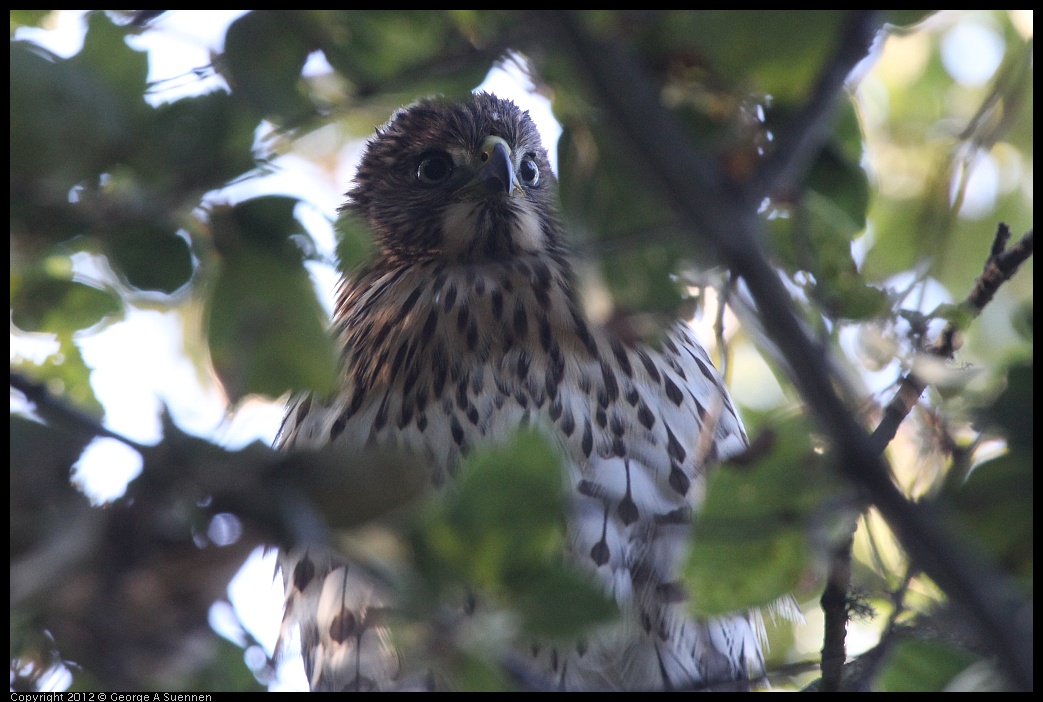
x=999 y=268
x=723 y=220
x=834 y=603
x=52 y=409
x=799 y=141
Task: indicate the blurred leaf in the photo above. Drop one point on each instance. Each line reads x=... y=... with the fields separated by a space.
x=1013 y=409
x=501 y=531
x=58 y=305
x=265 y=327
x=44 y=93
x=559 y=601
x=775 y=53
x=198 y=142
x=28 y=18
x=106 y=55
x=355 y=244
x=922 y=666
x=995 y=504
x=907 y=18
x=266 y=331
x=152 y=259
x=508 y=506
x=471 y=672
x=265 y=51
x=66 y=375
x=42 y=457
x=752 y=537
x=601 y=194
x=266 y=224
x=839 y=179
x=645 y=278
x=414 y=52
x=354 y=487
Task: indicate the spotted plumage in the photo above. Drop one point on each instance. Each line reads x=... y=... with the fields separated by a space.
x=467 y=326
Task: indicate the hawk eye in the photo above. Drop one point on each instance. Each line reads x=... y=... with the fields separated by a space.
x=529 y=171
x=435 y=167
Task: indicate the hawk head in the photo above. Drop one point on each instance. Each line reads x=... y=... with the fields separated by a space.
x=461 y=181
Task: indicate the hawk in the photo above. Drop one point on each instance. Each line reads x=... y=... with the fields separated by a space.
x=467 y=326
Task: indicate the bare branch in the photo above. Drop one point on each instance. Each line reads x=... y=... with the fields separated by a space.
x=722 y=219
x=1000 y=266
x=51 y=408
x=799 y=141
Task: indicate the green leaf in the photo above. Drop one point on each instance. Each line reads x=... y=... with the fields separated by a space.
x=42 y=457
x=354 y=487
x=559 y=601
x=42 y=495
x=152 y=259
x=44 y=93
x=28 y=18
x=379 y=48
x=644 y=279
x=995 y=504
x=907 y=18
x=265 y=51
x=261 y=223
x=265 y=326
x=1013 y=409
x=752 y=536
x=355 y=244
x=816 y=234
x=66 y=375
x=776 y=53
x=513 y=497
x=922 y=666
x=199 y=142
x=48 y=304
x=266 y=329
x=501 y=531
x=106 y=55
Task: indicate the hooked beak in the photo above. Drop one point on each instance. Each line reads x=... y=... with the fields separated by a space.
x=496 y=175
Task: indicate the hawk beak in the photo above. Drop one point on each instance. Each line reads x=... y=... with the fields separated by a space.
x=496 y=175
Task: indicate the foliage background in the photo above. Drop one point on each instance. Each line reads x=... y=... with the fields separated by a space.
x=120 y=204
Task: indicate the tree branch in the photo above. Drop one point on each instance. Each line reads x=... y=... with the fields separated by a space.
x=799 y=141
x=722 y=218
x=52 y=409
x=1000 y=266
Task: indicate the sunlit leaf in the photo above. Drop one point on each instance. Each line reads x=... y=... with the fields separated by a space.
x=28 y=18
x=66 y=375
x=59 y=305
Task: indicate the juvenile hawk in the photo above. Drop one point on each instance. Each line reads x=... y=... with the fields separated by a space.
x=467 y=325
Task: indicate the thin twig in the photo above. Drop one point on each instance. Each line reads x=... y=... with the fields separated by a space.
x=50 y=407
x=834 y=603
x=723 y=220
x=1000 y=266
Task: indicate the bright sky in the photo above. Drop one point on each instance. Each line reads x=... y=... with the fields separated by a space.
x=139 y=364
